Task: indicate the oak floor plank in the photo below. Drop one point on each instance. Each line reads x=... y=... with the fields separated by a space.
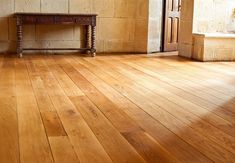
x=7 y=83
x=164 y=117
x=190 y=87
x=207 y=91
x=116 y=108
x=182 y=114
x=43 y=100
x=115 y=145
x=214 y=81
x=202 y=73
x=52 y=124
x=114 y=158
x=1 y=62
x=80 y=135
x=182 y=150
x=166 y=82
x=62 y=150
x=215 y=69
x=34 y=145
x=65 y=82
x=148 y=82
x=126 y=124
x=9 y=149
x=9 y=140
x=55 y=132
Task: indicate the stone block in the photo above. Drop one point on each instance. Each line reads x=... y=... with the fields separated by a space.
x=65 y=44
x=220 y=42
x=27 y=5
x=142 y=9
x=4 y=29
x=28 y=31
x=100 y=46
x=207 y=55
x=12 y=29
x=154 y=29
x=52 y=44
x=118 y=46
x=79 y=33
x=7 y=47
x=185 y=33
x=80 y=6
x=140 y=46
x=4 y=47
x=155 y=9
x=198 y=51
x=125 y=8
x=223 y=54
x=114 y=29
x=185 y=50
x=6 y=8
x=141 y=29
x=52 y=6
x=104 y=8
x=214 y=47
x=187 y=10
x=54 y=32
x=154 y=45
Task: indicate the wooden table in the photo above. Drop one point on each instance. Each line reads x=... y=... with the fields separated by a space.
x=87 y=20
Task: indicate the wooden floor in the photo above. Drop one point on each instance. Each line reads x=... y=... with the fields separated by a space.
x=121 y=108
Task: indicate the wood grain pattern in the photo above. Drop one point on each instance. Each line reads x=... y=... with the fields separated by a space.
x=9 y=138
x=63 y=150
x=139 y=96
x=125 y=108
x=148 y=124
x=81 y=136
x=52 y=124
x=33 y=142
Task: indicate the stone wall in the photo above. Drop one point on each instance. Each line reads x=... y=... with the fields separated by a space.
x=155 y=25
x=214 y=47
x=122 y=24
x=186 y=28
x=213 y=16
x=204 y=16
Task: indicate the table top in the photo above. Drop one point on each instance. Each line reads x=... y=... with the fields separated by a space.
x=52 y=14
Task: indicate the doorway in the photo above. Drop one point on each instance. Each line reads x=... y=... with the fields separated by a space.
x=171 y=25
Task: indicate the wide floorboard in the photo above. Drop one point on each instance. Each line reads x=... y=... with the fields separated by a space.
x=116 y=108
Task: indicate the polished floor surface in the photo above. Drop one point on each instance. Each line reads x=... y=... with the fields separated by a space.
x=116 y=108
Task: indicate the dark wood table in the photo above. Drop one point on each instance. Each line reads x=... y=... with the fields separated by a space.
x=87 y=20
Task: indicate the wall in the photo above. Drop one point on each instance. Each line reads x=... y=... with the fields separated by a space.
x=186 y=28
x=213 y=15
x=122 y=24
x=155 y=25
x=206 y=16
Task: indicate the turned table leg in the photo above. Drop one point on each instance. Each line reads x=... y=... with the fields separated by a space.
x=19 y=37
x=87 y=39
x=93 y=46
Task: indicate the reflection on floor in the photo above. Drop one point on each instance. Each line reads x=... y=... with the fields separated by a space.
x=121 y=108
